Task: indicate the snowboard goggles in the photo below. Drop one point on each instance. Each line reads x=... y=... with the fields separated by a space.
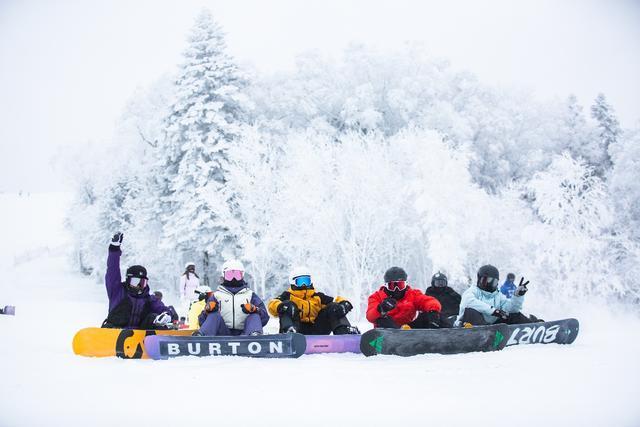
x=440 y=283
x=139 y=282
x=302 y=281
x=233 y=274
x=489 y=282
x=396 y=285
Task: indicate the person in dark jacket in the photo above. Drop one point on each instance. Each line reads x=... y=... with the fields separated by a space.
x=448 y=298
x=303 y=309
x=130 y=304
x=397 y=305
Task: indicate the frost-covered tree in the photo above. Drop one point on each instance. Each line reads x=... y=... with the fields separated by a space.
x=575 y=134
x=570 y=246
x=624 y=181
x=608 y=131
x=196 y=204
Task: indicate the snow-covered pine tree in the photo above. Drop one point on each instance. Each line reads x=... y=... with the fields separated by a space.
x=574 y=129
x=608 y=130
x=195 y=200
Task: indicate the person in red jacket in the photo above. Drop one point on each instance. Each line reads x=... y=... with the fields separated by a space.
x=396 y=304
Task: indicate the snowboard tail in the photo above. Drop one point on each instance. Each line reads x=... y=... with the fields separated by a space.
x=265 y=346
x=564 y=331
x=123 y=343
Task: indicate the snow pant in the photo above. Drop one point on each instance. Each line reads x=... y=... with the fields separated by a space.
x=425 y=320
x=476 y=318
x=325 y=323
x=214 y=325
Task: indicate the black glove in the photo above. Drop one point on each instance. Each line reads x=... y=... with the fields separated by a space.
x=347 y=306
x=387 y=305
x=433 y=319
x=340 y=309
x=287 y=307
x=501 y=314
x=116 y=240
x=522 y=288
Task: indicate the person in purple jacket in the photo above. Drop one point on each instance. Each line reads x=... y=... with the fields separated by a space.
x=233 y=308
x=130 y=304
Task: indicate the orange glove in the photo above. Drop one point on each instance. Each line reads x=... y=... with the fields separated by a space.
x=211 y=306
x=249 y=308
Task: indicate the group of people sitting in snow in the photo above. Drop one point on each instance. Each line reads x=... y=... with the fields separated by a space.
x=234 y=309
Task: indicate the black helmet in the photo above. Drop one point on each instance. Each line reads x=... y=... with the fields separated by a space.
x=488 y=277
x=136 y=271
x=511 y=277
x=136 y=279
x=394 y=274
x=439 y=280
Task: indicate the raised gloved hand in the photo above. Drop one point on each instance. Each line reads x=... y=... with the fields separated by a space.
x=116 y=240
x=249 y=308
x=211 y=306
x=162 y=319
x=387 y=305
x=500 y=314
x=287 y=307
x=522 y=288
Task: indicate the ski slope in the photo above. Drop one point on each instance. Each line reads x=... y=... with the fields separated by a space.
x=590 y=383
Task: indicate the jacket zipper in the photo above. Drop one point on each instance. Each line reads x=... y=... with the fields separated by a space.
x=233 y=311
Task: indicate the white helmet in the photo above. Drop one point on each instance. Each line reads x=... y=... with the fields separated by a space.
x=232 y=264
x=187 y=265
x=297 y=272
x=202 y=289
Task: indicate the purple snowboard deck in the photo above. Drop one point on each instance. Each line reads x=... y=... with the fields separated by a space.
x=332 y=344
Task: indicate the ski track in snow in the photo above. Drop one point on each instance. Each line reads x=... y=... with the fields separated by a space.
x=592 y=382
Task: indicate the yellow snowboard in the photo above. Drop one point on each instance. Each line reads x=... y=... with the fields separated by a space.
x=124 y=343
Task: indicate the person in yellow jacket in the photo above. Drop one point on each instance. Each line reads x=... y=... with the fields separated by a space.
x=197 y=307
x=302 y=309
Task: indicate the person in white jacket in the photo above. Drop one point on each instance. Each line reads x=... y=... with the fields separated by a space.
x=189 y=282
x=484 y=304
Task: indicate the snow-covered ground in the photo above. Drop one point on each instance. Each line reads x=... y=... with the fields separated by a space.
x=592 y=382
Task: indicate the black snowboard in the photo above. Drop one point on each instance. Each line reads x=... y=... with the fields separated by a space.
x=444 y=341
x=564 y=331
x=270 y=346
x=462 y=340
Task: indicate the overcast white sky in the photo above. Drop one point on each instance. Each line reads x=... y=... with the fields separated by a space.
x=68 y=67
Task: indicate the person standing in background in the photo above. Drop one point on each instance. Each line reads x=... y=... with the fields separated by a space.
x=508 y=288
x=189 y=281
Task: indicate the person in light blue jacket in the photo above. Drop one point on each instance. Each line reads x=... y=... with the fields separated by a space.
x=484 y=304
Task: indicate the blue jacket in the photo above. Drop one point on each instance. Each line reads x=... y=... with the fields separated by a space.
x=508 y=288
x=486 y=302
